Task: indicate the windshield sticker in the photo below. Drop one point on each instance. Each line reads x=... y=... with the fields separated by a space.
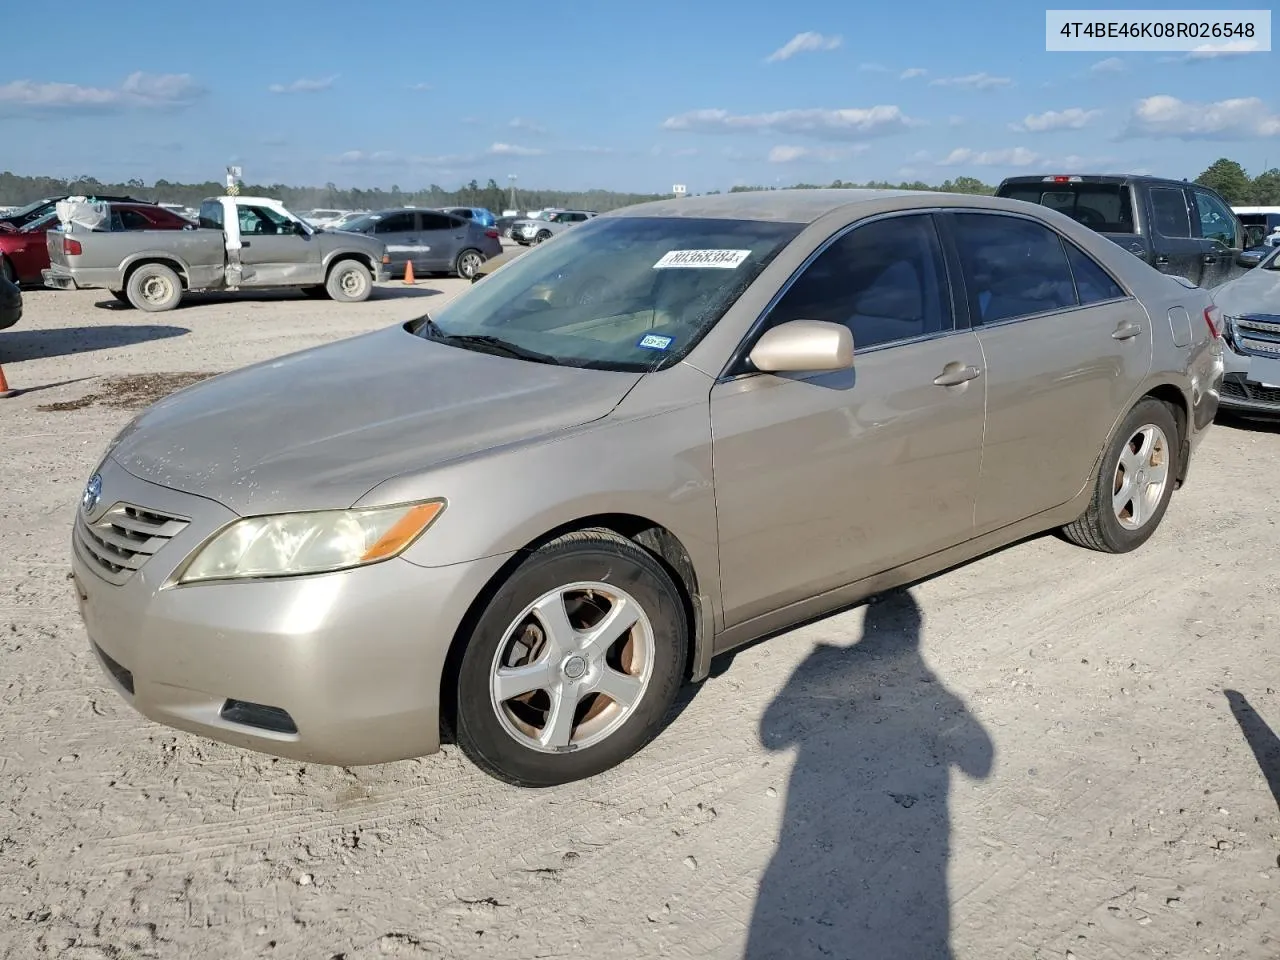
x=653 y=341
x=713 y=259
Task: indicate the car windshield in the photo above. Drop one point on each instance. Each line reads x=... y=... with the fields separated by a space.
x=29 y=208
x=43 y=223
x=358 y=224
x=618 y=293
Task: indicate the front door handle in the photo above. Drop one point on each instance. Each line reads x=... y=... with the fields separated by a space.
x=1162 y=261
x=1126 y=331
x=953 y=376
x=246 y=244
x=1209 y=258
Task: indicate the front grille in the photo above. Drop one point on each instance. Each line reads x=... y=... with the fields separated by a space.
x=126 y=537
x=1235 y=386
x=1257 y=336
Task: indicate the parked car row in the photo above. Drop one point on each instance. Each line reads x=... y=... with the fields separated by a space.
x=546 y=225
x=432 y=240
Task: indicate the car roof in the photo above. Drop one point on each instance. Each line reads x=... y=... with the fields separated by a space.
x=805 y=206
x=1095 y=178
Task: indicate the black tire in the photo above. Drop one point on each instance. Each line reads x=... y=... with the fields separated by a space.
x=7 y=271
x=155 y=288
x=542 y=237
x=120 y=297
x=1100 y=527
x=592 y=556
x=316 y=293
x=349 y=282
x=468 y=263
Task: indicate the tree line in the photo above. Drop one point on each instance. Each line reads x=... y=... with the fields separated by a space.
x=1226 y=176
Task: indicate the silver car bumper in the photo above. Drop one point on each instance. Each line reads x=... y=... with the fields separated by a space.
x=342 y=668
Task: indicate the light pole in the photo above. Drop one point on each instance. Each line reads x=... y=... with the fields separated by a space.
x=512 y=178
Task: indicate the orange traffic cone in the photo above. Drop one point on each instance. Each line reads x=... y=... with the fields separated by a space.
x=408 y=273
x=4 y=387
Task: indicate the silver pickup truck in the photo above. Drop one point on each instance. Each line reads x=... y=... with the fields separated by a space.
x=242 y=243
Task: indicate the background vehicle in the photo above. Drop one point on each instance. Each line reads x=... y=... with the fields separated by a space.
x=10 y=304
x=1178 y=227
x=24 y=255
x=714 y=462
x=323 y=219
x=433 y=241
x=40 y=208
x=547 y=225
x=242 y=242
x=504 y=224
x=480 y=215
x=1250 y=305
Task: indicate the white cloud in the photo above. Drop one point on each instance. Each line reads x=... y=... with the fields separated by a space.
x=304 y=85
x=790 y=154
x=1241 y=118
x=519 y=123
x=137 y=90
x=513 y=150
x=1232 y=48
x=364 y=157
x=872 y=68
x=1109 y=65
x=972 y=81
x=1013 y=157
x=421 y=87
x=912 y=72
x=1073 y=118
x=595 y=151
x=955 y=121
x=846 y=124
x=808 y=42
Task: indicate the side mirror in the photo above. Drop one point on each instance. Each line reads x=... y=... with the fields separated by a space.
x=300 y=230
x=804 y=346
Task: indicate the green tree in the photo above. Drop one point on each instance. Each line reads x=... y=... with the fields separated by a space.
x=1228 y=178
x=1264 y=191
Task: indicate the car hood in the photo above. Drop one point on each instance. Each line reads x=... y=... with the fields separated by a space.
x=320 y=428
x=1255 y=292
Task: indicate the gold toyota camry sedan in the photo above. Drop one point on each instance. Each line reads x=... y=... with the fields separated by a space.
x=525 y=521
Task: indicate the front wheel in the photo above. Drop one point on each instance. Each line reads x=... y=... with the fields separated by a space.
x=1134 y=483
x=350 y=282
x=574 y=663
x=468 y=264
x=542 y=237
x=153 y=287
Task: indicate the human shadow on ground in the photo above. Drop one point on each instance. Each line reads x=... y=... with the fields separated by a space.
x=17 y=344
x=860 y=869
x=1261 y=739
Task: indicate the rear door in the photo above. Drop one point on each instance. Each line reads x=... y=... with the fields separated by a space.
x=1065 y=347
x=1221 y=238
x=1174 y=236
x=445 y=235
x=399 y=231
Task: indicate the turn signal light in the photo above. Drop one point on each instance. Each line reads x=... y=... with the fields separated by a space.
x=1213 y=318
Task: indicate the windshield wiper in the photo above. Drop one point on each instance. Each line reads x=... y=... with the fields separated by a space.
x=485 y=342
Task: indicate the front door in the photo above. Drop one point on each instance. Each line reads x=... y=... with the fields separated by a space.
x=1177 y=246
x=272 y=252
x=1066 y=349
x=1219 y=238
x=824 y=479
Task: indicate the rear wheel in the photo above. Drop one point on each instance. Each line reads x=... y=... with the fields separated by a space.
x=153 y=287
x=1134 y=483
x=574 y=663
x=468 y=264
x=349 y=282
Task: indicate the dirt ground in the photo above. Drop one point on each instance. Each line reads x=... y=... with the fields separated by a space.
x=1048 y=753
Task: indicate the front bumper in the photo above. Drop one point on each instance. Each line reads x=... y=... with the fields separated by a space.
x=342 y=668
x=1244 y=395
x=383 y=273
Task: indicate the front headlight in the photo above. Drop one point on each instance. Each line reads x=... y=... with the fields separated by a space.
x=321 y=541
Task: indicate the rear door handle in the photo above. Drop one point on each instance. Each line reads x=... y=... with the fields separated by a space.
x=956 y=375
x=1126 y=331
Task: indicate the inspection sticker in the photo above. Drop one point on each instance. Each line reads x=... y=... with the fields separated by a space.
x=653 y=341
x=715 y=259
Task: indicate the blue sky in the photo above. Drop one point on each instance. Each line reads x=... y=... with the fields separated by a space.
x=620 y=95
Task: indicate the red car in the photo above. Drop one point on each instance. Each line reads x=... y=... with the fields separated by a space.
x=23 y=253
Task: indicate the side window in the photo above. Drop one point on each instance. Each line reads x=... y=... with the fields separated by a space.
x=133 y=220
x=1216 y=221
x=437 y=221
x=1012 y=267
x=1093 y=284
x=464 y=213
x=396 y=223
x=1169 y=210
x=263 y=221
x=211 y=215
x=885 y=281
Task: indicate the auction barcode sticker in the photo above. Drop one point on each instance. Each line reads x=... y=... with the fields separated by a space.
x=1201 y=33
x=714 y=259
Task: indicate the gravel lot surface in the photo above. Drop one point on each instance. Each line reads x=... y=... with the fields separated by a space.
x=1048 y=753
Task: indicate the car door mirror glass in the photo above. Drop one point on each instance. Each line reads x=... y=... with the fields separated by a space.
x=804 y=346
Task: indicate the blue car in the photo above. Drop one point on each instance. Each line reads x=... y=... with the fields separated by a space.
x=480 y=215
